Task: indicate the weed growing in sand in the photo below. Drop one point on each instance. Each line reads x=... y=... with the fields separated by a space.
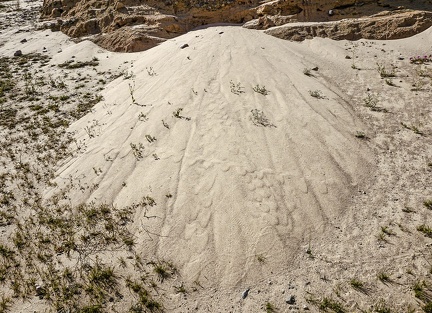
x=261 y=259
x=381 y=307
x=361 y=135
x=180 y=289
x=163 y=270
x=418 y=84
x=358 y=285
x=387 y=231
x=150 y=71
x=428 y=204
x=371 y=102
x=384 y=277
x=413 y=128
x=421 y=291
x=421 y=59
x=131 y=92
x=137 y=150
x=270 y=308
x=128 y=75
x=71 y=64
x=165 y=124
x=384 y=72
x=390 y=82
x=262 y=90
x=142 y=117
x=426 y=230
x=236 y=89
x=150 y=138
x=259 y=119
x=331 y=304
x=177 y=114
x=428 y=307
x=316 y=94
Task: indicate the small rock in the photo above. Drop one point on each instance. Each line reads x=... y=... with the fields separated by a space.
x=221 y=33
x=18 y=53
x=40 y=292
x=184 y=46
x=290 y=299
x=315 y=68
x=347 y=57
x=305 y=307
x=23 y=41
x=245 y=293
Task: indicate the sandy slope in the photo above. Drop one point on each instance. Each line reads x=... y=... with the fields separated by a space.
x=239 y=191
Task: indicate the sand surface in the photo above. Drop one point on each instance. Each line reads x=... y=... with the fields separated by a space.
x=294 y=188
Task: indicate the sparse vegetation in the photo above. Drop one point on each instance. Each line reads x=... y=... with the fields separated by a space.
x=316 y=94
x=361 y=135
x=426 y=230
x=384 y=277
x=270 y=308
x=259 y=119
x=236 y=89
x=261 y=89
x=382 y=70
x=412 y=128
x=371 y=102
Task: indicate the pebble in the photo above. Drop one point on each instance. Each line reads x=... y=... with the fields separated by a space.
x=23 y=41
x=184 y=46
x=245 y=293
x=18 y=53
x=290 y=299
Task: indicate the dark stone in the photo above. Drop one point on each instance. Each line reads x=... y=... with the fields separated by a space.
x=18 y=53
x=184 y=46
x=291 y=299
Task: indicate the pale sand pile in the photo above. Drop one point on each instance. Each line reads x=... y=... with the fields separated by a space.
x=238 y=190
x=239 y=202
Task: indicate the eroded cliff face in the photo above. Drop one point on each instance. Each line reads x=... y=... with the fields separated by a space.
x=136 y=25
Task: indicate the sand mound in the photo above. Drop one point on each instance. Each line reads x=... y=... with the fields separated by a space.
x=235 y=173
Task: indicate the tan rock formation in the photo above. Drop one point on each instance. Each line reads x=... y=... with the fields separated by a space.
x=386 y=25
x=131 y=25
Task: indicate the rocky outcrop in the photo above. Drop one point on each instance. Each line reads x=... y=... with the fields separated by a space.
x=386 y=25
x=134 y=25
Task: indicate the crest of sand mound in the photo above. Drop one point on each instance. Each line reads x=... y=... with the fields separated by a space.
x=235 y=173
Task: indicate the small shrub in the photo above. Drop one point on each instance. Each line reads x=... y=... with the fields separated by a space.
x=356 y=284
x=384 y=277
x=259 y=119
x=361 y=135
x=428 y=307
x=384 y=72
x=270 y=308
x=262 y=90
x=236 y=89
x=421 y=59
x=428 y=204
x=328 y=303
x=316 y=94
